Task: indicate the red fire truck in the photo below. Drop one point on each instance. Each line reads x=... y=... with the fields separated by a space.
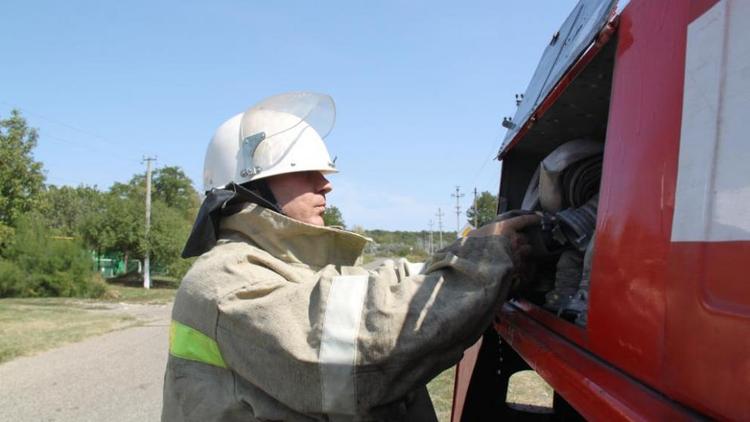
x=658 y=328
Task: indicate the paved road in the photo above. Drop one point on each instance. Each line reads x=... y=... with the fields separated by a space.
x=114 y=377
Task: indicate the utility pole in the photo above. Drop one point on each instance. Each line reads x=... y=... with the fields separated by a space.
x=440 y=226
x=431 y=248
x=146 y=261
x=458 y=195
x=476 y=211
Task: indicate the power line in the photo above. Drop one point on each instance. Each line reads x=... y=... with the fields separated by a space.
x=492 y=156
x=63 y=141
x=88 y=147
x=484 y=164
x=61 y=123
x=78 y=144
x=103 y=152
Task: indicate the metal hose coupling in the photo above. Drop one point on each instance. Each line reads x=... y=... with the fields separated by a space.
x=579 y=304
x=539 y=236
x=576 y=225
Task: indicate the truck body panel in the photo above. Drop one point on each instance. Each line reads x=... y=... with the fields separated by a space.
x=668 y=332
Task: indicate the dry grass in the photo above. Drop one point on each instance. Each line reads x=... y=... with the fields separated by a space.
x=33 y=325
x=28 y=326
x=132 y=294
x=526 y=391
x=441 y=393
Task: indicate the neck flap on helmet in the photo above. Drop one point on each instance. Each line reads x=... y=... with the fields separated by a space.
x=221 y=203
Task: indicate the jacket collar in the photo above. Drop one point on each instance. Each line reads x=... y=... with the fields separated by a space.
x=293 y=241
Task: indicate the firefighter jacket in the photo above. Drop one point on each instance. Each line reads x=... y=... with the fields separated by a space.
x=276 y=322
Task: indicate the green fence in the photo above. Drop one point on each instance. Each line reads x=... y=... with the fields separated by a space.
x=112 y=265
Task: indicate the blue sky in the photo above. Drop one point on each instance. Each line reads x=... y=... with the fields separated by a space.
x=420 y=87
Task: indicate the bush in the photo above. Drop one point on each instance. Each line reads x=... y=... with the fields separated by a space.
x=11 y=279
x=39 y=265
x=6 y=237
x=179 y=267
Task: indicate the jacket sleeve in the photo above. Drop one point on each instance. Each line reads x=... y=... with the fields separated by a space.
x=352 y=342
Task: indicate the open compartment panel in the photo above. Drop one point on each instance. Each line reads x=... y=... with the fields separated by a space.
x=554 y=166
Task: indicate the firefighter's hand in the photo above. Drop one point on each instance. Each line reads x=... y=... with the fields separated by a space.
x=511 y=228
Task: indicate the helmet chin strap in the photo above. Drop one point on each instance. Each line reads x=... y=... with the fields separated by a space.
x=221 y=203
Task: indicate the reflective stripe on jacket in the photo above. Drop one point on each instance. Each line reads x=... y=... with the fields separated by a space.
x=190 y=344
x=277 y=322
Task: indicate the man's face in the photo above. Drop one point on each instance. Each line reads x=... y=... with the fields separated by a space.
x=301 y=195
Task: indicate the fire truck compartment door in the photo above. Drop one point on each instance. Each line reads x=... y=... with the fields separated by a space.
x=575 y=35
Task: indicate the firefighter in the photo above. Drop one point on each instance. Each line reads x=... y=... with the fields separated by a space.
x=276 y=321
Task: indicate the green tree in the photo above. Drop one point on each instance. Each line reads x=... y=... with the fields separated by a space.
x=171 y=185
x=136 y=187
x=175 y=204
x=125 y=219
x=486 y=209
x=168 y=234
x=6 y=237
x=21 y=177
x=93 y=228
x=66 y=208
x=117 y=224
x=332 y=217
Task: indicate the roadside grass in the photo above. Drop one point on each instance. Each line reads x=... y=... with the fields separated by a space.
x=28 y=326
x=32 y=325
x=128 y=288
x=132 y=294
x=527 y=392
x=441 y=393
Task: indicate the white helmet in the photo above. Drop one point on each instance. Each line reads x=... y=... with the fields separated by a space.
x=281 y=134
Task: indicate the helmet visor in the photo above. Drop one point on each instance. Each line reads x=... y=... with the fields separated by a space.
x=315 y=110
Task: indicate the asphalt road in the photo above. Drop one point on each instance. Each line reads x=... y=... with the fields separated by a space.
x=115 y=377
